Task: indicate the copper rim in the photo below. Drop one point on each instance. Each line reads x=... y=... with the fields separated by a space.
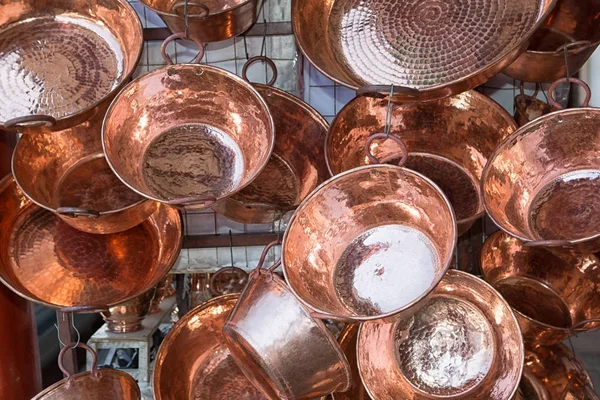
x=348 y=340
x=128 y=316
x=161 y=12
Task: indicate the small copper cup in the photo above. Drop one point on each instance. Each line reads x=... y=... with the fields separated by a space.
x=128 y=316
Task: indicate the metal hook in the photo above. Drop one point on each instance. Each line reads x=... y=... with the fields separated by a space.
x=566 y=53
x=231 y=247
x=388 y=114
x=185 y=18
x=76 y=330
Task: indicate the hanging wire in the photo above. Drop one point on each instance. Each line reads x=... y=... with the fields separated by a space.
x=76 y=331
x=388 y=114
x=185 y=18
x=231 y=247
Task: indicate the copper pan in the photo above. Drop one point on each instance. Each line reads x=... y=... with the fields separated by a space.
x=128 y=316
x=97 y=384
x=429 y=49
x=193 y=361
x=448 y=140
x=464 y=344
x=62 y=62
x=542 y=184
x=528 y=108
x=280 y=347
x=188 y=135
x=48 y=262
x=549 y=291
x=296 y=167
x=562 y=45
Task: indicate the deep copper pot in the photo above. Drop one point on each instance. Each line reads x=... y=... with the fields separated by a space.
x=128 y=316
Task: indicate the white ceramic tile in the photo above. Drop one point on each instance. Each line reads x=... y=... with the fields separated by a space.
x=220 y=51
x=500 y=81
x=253 y=255
x=153 y=20
x=506 y=98
x=342 y=96
x=252 y=44
x=140 y=70
x=259 y=228
x=226 y=65
x=318 y=79
x=287 y=74
x=224 y=225
x=182 y=262
x=256 y=72
x=281 y=47
x=322 y=99
x=278 y=10
x=144 y=56
x=154 y=56
x=203 y=258
x=187 y=51
x=330 y=119
x=200 y=224
x=141 y=12
x=224 y=257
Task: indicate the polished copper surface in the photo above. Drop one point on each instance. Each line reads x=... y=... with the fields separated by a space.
x=128 y=316
x=208 y=20
x=228 y=280
x=193 y=361
x=574 y=24
x=369 y=244
x=464 y=344
x=62 y=61
x=347 y=340
x=549 y=291
x=186 y=134
x=46 y=261
x=296 y=167
x=448 y=140
x=429 y=48
x=528 y=108
x=164 y=289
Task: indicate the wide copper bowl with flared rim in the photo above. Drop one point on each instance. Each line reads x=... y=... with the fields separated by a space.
x=128 y=316
x=549 y=291
x=465 y=343
x=45 y=260
x=193 y=361
x=448 y=140
x=369 y=244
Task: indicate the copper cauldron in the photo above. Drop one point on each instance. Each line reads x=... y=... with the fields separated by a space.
x=128 y=316
x=47 y=261
x=62 y=62
x=572 y=28
x=280 y=347
x=369 y=244
x=448 y=140
x=464 y=344
x=193 y=361
x=97 y=384
x=549 y=291
x=296 y=167
x=528 y=108
x=430 y=49
x=542 y=184
x=188 y=135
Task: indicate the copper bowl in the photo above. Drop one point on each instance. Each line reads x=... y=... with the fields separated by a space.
x=163 y=290
x=448 y=140
x=369 y=244
x=464 y=344
x=48 y=262
x=66 y=173
x=128 y=316
x=193 y=361
x=549 y=291
x=347 y=340
x=62 y=61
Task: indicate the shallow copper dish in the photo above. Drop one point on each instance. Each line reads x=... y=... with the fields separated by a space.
x=431 y=49
x=128 y=316
x=448 y=140
x=369 y=244
x=549 y=291
x=46 y=261
x=193 y=361
x=464 y=344
x=61 y=62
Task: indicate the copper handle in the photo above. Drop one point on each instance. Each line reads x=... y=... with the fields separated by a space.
x=212 y=283
x=70 y=346
x=192 y=201
x=267 y=60
x=382 y=91
x=261 y=260
x=396 y=139
x=181 y=35
x=268 y=206
x=576 y=47
x=577 y=326
x=75 y=212
x=522 y=89
x=84 y=309
x=30 y=121
x=586 y=88
x=318 y=315
x=548 y=243
x=181 y=5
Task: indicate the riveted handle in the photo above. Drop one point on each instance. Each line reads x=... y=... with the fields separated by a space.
x=74 y=212
x=71 y=346
x=586 y=88
x=181 y=35
x=267 y=60
x=394 y=138
x=30 y=121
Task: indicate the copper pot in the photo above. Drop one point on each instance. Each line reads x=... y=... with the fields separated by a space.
x=188 y=135
x=163 y=290
x=128 y=316
x=281 y=349
x=573 y=25
x=193 y=361
x=62 y=62
x=549 y=291
x=97 y=384
x=347 y=340
x=228 y=280
x=464 y=344
x=448 y=140
x=528 y=108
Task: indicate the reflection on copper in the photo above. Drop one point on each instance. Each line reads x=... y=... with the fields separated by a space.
x=128 y=316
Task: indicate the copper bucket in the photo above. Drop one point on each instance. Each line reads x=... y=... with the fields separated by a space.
x=280 y=347
x=188 y=135
x=448 y=140
x=193 y=361
x=550 y=292
x=296 y=167
x=62 y=62
x=464 y=344
x=97 y=384
x=128 y=316
x=528 y=108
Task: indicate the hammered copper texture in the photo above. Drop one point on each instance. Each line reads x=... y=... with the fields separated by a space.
x=128 y=316
x=549 y=291
x=464 y=344
x=369 y=243
x=439 y=47
x=65 y=57
x=347 y=340
x=194 y=363
x=543 y=181
x=296 y=167
x=49 y=262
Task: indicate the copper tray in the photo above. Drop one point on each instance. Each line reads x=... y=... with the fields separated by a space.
x=430 y=48
x=464 y=344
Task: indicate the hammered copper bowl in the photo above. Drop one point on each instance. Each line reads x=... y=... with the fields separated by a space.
x=128 y=316
x=464 y=344
x=347 y=340
x=185 y=134
x=448 y=140
x=193 y=361
x=62 y=61
x=369 y=244
x=549 y=291
x=46 y=261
